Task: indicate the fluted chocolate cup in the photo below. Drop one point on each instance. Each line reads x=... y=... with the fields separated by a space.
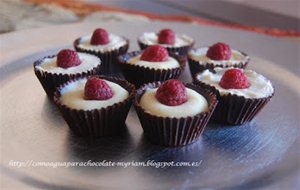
x=139 y=75
x=233 y=109
x=167 y=131
x=182 y=50
x=197 y=66
x=97 y=122
x=108 y=57
x=50 y=81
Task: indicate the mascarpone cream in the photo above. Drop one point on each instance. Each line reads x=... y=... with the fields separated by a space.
x=88 y=62
x=115 y=42
x=200 y=55
x=260 y=87
x=72 y=96
x=170 y=63
x=151 y=38
x=196 y=104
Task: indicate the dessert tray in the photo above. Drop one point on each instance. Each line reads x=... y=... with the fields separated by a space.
x=261 y=154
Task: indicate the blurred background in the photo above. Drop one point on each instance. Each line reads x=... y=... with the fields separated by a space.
x=275 y=17
x=274 y=13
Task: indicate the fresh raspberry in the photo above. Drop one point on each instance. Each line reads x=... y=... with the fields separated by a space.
x=172 y=93
x=219 y=51
x=100 y=37
x=97 y=89
x=155 y=53
x=67 y=58
x=234 y=78
x=166 y=36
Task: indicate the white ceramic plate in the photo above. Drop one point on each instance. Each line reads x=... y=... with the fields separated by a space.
x=261 y=154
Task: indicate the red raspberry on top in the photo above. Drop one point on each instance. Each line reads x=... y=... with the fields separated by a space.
x=155 y=53
x=166 y=36
x=219 y=51
x=97 y=89
x=172 y=93
x=100 y=37
x=234 y=78
x=67 y=58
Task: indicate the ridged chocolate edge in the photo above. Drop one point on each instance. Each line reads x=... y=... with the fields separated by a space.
x=183 y=50
x=97 y=122
x=174 y=132
x=50 y=81
x=139 y=75
x=198 y=66
x=233 y=109
x=108 y=58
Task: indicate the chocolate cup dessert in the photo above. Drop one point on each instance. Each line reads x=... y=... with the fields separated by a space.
x=97 y=122
x=108 y=58
x=233 y=109
x=139 y=75
x=50 y=81
x=197 y=66
x=174 y=132
x=183 y=50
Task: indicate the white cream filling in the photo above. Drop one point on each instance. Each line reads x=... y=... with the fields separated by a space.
x=151 y=38
x=260 y=87
x=196 y=104
x=88 y=62
x=72 y=96
x=115 y=42
x=170 y=63
x=200 y=55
